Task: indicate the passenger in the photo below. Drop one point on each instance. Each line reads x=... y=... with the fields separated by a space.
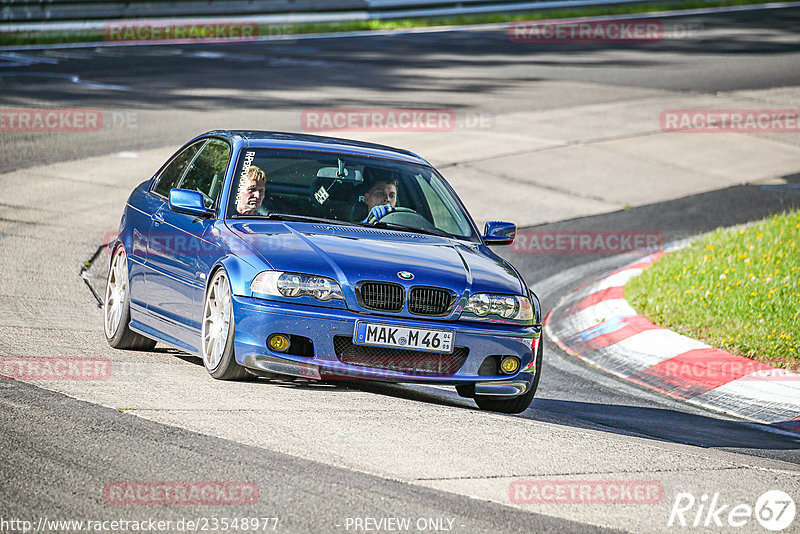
x=251 y=192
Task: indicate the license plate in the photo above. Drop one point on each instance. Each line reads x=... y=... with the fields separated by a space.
x=399 y=337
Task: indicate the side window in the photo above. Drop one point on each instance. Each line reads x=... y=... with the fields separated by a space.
x=207 y=171
x=442 y=216
x=168 y=180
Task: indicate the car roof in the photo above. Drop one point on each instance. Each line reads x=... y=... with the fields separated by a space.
x=288 y=140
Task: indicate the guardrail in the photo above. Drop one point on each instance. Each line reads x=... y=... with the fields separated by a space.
x=59 y=10
x=32 y=11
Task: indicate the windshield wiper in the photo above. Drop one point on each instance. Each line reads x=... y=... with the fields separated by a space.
x=380 y=224
x=291 y=217
x=396 y=226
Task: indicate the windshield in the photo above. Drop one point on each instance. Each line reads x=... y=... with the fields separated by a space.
x=306 y=185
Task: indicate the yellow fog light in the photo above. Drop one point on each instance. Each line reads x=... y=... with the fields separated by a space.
x=509 y=365
x=278 y=342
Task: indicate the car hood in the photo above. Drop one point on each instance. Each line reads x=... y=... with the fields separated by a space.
x=350 y=254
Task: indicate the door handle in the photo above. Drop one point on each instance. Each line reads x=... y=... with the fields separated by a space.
x=157 y=218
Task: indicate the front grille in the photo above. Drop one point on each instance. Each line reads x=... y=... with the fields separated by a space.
x=414 y=362
x=381 y=296
x=430 y=301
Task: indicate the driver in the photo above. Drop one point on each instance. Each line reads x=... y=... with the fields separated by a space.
x=251 y=192
x=381 y=198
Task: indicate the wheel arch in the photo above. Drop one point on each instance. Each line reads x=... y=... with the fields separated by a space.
x=238 y=272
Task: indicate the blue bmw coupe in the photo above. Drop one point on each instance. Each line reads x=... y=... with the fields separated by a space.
x=275 y=254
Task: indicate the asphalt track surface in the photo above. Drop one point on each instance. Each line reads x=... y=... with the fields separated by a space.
x=476 y=70
x=58 y=451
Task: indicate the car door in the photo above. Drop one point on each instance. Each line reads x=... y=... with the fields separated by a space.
x=180 y=251
x=169 y=179
x=141 y=205
x=141 y=220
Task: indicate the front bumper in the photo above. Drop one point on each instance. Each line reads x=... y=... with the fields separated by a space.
x=257 y=319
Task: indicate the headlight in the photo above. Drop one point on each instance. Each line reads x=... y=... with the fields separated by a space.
x=280 y=284
x=512 y=307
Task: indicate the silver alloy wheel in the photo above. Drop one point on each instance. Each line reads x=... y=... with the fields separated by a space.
x=116 y=292
x=216 y=320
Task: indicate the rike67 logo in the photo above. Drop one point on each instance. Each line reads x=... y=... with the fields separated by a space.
x=775 y=510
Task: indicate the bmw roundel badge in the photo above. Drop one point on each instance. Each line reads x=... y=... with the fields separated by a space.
x=405 y=275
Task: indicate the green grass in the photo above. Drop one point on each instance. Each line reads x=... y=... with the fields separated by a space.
x=738 y=290
x=44 y=37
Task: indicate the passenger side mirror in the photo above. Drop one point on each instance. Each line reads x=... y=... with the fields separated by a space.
x=188 y=202
x=499 y=233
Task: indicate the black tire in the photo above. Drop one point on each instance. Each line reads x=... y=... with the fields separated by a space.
x=516 y=404
x=117 y=301
x=226 y=367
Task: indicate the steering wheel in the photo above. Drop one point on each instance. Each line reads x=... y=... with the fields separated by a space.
x=372 y=219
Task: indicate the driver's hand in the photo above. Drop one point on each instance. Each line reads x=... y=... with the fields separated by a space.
x=379 y=212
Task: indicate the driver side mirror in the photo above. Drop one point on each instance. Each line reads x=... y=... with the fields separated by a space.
x=499 y=233
x=188 y=202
